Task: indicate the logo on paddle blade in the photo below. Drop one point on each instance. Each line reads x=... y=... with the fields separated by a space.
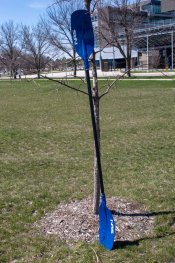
x=75 y=37
x=112 y=226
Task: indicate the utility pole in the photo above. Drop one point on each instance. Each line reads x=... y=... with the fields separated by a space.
x=172 y=50
x=147 y=38
x=113 y=58
x=98 y=9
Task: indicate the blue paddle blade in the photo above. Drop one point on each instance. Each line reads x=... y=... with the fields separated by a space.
x=82 y=34
x=107 y=225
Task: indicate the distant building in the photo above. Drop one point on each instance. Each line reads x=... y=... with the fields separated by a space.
x=157 y=33
x=155 y=36
x=109 y=57
x=151 y=6
x=167 y=6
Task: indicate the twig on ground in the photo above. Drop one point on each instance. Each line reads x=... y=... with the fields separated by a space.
x=97 y=258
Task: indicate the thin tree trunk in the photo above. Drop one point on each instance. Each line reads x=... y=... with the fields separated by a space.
x=128 y=58
x=38 y=73
x=75 y=64
x=128 y=64
x=96 y=198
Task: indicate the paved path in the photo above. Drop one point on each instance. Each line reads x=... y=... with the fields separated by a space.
x=81 y=73
x=101 y=74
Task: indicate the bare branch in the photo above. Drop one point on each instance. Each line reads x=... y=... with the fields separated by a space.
x=64 y=84
x=10 y=47
x=117 y=24
x=112 y=84
x=36 y=45
x=59 y=34
x=119 y=77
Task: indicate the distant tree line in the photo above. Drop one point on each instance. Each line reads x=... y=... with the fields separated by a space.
x=46 y=44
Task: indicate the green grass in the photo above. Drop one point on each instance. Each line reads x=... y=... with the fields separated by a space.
x=46 y=157
x=152 y=70
x=162 y=77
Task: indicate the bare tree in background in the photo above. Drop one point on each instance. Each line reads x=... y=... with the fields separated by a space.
x=10 y=47
x=117 y=24
x=59 y=30
x=35 y=46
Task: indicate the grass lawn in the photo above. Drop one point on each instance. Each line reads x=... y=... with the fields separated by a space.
x=46 y=157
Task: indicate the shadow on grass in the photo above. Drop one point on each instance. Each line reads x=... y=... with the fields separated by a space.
x=143 y=214
x=127 y=243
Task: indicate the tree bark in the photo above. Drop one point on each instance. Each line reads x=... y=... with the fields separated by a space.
x=128 y=55
x=128 y=66
x=96 y=198
x=75 y=64
x=38 y=73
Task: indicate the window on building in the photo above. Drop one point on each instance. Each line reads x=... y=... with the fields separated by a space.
x=94 y=18
x=154 y=9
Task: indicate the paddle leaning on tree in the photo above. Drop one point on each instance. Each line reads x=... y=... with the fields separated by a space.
x=83 y=40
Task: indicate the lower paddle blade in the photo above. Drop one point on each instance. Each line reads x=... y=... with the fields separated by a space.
x=106 y=225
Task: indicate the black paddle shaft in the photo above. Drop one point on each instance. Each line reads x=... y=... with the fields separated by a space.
x=97 y=149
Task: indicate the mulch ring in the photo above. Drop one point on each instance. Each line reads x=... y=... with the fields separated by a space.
x=76 y=222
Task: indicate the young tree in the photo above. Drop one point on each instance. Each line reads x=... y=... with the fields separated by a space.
x=59 y=30
x=10 y=47
x=64 y=37
x=96 y=94
x=36 y=46
x=96 y=102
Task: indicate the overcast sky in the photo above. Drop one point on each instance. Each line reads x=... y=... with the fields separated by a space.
x=25 y=11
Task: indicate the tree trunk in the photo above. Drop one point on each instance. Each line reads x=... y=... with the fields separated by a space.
x=128 y=58
x=96 y=198
x=75 y=64
x=75 y=70
x=128 y=66
x=38 y=72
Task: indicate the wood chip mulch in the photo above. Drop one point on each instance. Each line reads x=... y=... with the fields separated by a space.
x=75 y=221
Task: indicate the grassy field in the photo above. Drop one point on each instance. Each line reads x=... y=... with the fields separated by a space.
x=46 y=157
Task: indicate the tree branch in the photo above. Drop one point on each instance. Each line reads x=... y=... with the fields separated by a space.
x=64 y=84
x=111 y=85
x=122 y=76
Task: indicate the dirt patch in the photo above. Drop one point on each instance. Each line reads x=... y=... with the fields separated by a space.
x=75 y=221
